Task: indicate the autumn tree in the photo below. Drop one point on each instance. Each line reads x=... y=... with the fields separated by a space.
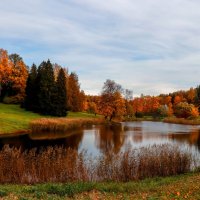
x=91 y=104
x=177 y=99
x=128 y=96
x=5 y=73
x=163 y=111
x=18 y=77
x=13 y=76
x=191 y=93
x=185 y=110
x=112 y=103
x=75 y=97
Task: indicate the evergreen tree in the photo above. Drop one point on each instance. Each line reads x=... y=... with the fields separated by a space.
x=31 y=100
x=197 y=98
x=45 y=86
x=60 y=95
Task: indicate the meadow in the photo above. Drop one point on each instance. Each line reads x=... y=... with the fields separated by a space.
x=14 y=119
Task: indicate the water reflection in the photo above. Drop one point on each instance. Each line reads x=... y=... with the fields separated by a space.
x=110 y=138
x=192 y=139
x=101 y=139
x=70 y=139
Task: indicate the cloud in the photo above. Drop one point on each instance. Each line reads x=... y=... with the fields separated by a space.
x=150 y=46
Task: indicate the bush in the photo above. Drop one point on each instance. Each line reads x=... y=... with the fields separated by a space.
x=17 y=99
x=185 y=110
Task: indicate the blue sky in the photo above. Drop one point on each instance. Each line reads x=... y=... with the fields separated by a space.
x=148 y=46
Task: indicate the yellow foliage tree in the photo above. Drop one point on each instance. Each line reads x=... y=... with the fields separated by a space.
x=13 y=76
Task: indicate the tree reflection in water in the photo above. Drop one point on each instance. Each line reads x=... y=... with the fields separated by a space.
x=110 y=138
x=192 y=139
x=102 y=139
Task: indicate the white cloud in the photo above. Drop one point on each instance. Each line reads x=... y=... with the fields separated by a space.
x=149 y=46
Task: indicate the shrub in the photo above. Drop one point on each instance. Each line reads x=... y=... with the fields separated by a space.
x=13 y=99
x=185 y=110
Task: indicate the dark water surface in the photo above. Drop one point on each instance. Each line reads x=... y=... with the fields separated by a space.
x=100 y=139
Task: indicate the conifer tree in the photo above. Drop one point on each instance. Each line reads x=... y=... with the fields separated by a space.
x=31 y=100
x=45 y=86
x=60 y=95
x=197 y=97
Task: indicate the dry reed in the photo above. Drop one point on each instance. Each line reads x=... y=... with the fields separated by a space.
x=58 y=164
x=61 y=124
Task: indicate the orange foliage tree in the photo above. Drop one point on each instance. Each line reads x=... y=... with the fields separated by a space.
x=191 y=94
x=166 y=101
x=146 y=105
x=112 y=103
x=185 y=110
x=75 y=96
x=13 y=76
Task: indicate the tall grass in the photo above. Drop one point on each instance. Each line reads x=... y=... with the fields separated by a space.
x=58 y=164
x=62 y=124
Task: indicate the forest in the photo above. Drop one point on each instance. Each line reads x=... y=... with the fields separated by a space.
x=50 y=89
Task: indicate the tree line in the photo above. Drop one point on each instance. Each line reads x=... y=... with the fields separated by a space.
x=47 y=89
x=50 y=90
x=116 y=102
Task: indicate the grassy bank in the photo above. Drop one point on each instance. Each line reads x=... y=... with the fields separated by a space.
x=15 y=119
x=176 y=187
x=175 y=120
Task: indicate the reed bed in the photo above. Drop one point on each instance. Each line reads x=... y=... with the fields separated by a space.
x=174 y=120
x=62 y=124
x=58 y=164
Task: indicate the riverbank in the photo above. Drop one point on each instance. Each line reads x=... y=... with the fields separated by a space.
x=14 y=119
x=174 y=187
x=174 y=120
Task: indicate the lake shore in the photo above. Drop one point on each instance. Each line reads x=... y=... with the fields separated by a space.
x=15 y=120
x=172 y=120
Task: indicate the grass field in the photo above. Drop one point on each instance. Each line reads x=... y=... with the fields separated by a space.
x=177 y=187
x=15 y=119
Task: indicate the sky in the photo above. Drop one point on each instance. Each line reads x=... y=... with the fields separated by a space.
x=147 y=46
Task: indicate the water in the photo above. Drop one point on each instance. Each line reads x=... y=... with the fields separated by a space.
x=101 y=139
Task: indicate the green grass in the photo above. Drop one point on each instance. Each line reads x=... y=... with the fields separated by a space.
x=15 y=119
x=177 y=187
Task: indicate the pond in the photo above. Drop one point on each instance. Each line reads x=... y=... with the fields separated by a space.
x=101 y=139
